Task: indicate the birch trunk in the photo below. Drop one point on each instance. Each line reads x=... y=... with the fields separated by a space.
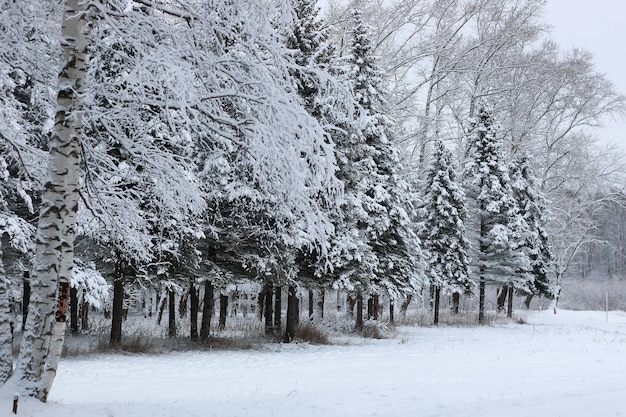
x=6 y=337
x=52 y=266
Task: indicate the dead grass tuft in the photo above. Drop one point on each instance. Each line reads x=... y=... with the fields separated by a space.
x=310 y=333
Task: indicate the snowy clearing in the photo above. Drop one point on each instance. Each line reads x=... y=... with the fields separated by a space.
x=569 y=364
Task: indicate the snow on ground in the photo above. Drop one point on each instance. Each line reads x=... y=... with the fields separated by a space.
x=569 y=364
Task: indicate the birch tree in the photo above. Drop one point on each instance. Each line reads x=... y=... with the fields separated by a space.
x=50 y=278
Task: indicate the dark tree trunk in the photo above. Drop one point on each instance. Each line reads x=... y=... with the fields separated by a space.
x=359 y=311
x=269 y=311
x=25 y=297
x=207 y=311
x=350 y=303
x=182 y=305
x=502 y=293
x=171 y=311
x=482 y=249
x=405 y=304
x=481 y=300
x=292 y=309
x=375 y=306
x=193 y=311
x=456 y=301
x=223 y=311
x=436 y=305
x=117 y=311
x=370 y=308
x=261 y=302
x=297 y=302
x=74 y=310
x=527 y=301
x=278 y=309
x=158 y=304
x=161 y=310
x=84 y=312
x=391 y=307
x=311 y=297
x=509 y=310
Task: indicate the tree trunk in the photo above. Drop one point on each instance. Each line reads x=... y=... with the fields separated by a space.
x=269 y=312
x=456 y=301
x=117 y=311
x=375 y=306
x=359 y=311
x=278 y=309
x=391 y=307
x=292 y=308
x=319 y=306
x=509 y=310
x=171 y=313
x=311 y=305
x=297 y=302
x=502 y=293
x=74 y=310
x=370 y=308
x=54 y=251
x=161 y=310
x=223 y=311
x=481 y=300
x=527 y=301
x=193 y=311
x=405 y=304
x=25 y=297
x=350 y=303
x=481 y=269
x=436 y=305
x=6 y=335
x=84 y=312
x=207 y=311
x=261 y=304
x=182 y=305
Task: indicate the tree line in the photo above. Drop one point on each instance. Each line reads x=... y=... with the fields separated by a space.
x=434 y=147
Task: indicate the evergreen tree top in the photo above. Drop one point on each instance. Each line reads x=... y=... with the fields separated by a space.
x=364 y=73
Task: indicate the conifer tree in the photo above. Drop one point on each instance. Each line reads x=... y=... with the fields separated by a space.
x=501 y=229
x=533 y=209
x=378 y=248
x=443 y=226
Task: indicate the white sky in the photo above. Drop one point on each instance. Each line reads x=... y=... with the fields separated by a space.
x=599 y=26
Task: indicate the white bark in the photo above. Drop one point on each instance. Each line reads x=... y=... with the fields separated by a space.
x=45 y=327
x=6 y=339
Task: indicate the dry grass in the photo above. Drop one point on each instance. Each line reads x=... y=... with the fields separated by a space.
x=310 y=333
x=591 y=295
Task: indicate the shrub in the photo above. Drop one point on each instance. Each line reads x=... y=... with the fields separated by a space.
x=309 y=332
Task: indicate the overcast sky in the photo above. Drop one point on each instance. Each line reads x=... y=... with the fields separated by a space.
x=599 y=26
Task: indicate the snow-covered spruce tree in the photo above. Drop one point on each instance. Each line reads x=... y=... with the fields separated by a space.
x=145 y=201
x=499 y=258
x=376 y=248
x=443 y=230
x=533 y=209
x=260 y=155
x=328 y=102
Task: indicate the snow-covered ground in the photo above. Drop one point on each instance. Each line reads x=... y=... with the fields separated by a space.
x=568 y=364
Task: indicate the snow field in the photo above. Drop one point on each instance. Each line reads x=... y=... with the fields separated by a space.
x=569 y=364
